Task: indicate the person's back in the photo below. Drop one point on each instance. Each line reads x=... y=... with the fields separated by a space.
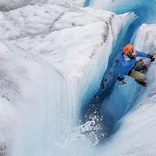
x=125 y=64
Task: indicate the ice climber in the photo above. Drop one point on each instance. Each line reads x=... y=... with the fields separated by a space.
x=129 y=66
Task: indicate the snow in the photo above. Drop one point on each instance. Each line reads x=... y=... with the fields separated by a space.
x=53 y=57
x=7 y=5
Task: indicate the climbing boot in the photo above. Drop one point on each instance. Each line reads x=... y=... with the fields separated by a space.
x=145 y=67
x=142 y=83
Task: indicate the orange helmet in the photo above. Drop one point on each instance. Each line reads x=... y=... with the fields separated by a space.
x=127 y=48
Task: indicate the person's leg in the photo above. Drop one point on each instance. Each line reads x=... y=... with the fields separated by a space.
x=139 y=65
x=140 y=77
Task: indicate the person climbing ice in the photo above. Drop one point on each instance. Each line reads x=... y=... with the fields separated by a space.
x=128 y=65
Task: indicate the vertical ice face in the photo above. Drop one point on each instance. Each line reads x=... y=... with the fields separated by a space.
x=145 y=41
x=35 y=100
x=137 y=134
x=24 y=103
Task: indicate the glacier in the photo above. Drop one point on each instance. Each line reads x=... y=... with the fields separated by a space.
x=54 y=55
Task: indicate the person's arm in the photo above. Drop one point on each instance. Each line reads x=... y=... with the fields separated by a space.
x=141 y=54
x=121 y=75
x=151 y=57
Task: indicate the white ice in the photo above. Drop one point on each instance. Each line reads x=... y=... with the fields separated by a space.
x=6 y=5
x=53 y=58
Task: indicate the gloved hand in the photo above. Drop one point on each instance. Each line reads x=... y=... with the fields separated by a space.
x=120 y=79
x=151 y=57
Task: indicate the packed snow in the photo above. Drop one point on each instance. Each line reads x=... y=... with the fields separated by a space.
x=6 y=5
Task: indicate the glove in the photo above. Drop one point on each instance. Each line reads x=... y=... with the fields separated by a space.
x=151 y=57
x=120 y=79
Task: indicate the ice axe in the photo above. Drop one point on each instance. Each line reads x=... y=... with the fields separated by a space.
x=154 y=56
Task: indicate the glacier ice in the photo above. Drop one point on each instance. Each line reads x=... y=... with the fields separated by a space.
x=50 y=54
x=137 y=133
x=54 y=55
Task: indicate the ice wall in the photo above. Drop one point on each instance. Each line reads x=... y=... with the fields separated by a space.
x=110 y=103
x=137 y=133
x=28 y=104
